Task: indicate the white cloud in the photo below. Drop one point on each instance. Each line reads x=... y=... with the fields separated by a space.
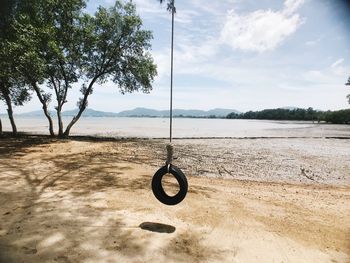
x=162 y=60
x=338 y=69
x=292 y=6
x=151 y=7
x=189 y=56
x=317 y=77
x=337 y=63
x=261 y=30
x=335 y=74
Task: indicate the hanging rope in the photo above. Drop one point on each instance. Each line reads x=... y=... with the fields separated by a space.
x=172 y=6
x=169 y=147
x=157 y=187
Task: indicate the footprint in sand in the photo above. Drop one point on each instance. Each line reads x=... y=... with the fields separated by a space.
x=29 y=250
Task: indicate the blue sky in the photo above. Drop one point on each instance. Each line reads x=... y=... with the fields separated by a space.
x=240 y=54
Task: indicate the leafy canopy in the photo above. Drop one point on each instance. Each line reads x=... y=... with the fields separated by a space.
x=116 y=48
x=11 y=81
x=170 y=5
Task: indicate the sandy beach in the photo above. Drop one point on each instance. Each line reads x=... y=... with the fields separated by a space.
x=249 y=200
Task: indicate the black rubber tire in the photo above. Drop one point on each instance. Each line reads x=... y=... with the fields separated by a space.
x=158 y=190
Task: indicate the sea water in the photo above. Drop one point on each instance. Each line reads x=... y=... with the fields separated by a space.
x=182 y=127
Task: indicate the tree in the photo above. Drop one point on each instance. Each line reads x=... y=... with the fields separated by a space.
x=348 y=83
x=64 y=54
x=48 y=22
x=170 y=6
x=12 y=88
x=279 y=114
x=21 y=62
x=56 y=45
x=6 y=14
x=43 y=29
x=5 y=96
x=337 y=117
x=12 y=94
x=115 y=48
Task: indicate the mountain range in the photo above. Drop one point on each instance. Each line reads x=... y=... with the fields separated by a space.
x=140 y=112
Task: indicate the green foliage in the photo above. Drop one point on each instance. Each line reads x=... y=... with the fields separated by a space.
x=56 y=44
x=114 y=47
x=170 y=5
x=278 y=114
x=13 y=88
x=338 y=117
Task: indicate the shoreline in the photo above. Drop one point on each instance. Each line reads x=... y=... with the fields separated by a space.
x=95 y=137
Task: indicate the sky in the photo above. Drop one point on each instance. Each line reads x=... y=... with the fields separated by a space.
x=238 y=54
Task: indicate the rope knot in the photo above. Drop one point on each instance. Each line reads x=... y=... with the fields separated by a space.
x=170 y=153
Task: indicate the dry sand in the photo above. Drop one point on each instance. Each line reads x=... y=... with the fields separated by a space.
x=263 y=200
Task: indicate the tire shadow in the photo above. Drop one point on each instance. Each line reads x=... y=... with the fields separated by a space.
x=157 y=227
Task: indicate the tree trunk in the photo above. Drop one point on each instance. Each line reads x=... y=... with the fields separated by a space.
x=61 y=99
x=44 y=104
x=83 y=105
x=73 y=121
x=10 y=112
x=60 y=123
x=0 y=127
x=59 y=104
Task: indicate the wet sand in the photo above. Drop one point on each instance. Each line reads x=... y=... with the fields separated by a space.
x=249 y=200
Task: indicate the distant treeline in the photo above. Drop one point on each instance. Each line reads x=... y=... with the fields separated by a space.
x=179 y=116
x=336 y=117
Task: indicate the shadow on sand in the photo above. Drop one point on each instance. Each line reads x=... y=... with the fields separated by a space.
x=53 y=206
x=157 y=227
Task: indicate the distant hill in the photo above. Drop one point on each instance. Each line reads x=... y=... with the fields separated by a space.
x=90 y=113
x=144 y=112
x=37 y=113
x=71 y=113
x=139 y=112
x=289 y=108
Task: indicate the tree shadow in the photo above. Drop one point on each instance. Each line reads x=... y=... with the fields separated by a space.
x=21 y=145
x=31 y=227
x=157 y=227
x=53 y=211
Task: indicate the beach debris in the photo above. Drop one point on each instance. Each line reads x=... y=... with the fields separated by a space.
x=305 y=172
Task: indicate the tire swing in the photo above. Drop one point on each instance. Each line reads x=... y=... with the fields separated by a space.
x=169 y=168
x=157 y=187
